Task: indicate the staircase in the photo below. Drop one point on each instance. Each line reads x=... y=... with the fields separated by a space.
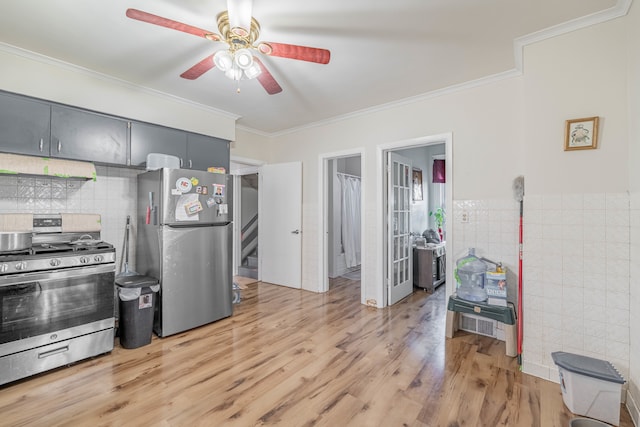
x=249 y=233
x=249 y=241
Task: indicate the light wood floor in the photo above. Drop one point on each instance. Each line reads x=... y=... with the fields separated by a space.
x=294 y=358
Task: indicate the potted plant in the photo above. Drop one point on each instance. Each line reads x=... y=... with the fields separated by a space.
x=439 y=217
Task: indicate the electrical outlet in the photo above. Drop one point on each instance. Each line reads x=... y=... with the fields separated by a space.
x=464 y=217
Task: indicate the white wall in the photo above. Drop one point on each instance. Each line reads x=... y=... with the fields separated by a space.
x=485 y=120
x=633 y=73
x=576 y=278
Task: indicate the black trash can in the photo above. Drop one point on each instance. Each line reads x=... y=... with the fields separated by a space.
x=137 y=295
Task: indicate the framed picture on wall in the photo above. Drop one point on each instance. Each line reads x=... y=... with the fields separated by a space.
x=581 y=134
x=417 y=184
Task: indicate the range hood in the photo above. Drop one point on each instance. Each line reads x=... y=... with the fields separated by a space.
x=16 y=164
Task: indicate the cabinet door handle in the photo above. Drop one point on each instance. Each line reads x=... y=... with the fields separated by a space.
x=181 y=162
x=59 y=146
x=190 y=164
x=41 y=145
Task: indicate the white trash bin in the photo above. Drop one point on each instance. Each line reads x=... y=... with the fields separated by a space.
x=590 y=387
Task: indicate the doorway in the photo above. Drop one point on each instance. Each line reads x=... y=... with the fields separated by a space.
x=342 y=198
x=429 y=201
x=245 y=217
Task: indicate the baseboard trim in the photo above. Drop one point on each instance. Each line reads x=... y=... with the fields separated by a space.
x=633 y=408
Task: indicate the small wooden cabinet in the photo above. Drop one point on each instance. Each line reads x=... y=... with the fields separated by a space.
x=429 y=267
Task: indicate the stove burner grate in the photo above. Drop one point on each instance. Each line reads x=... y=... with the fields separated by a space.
x=27 y=251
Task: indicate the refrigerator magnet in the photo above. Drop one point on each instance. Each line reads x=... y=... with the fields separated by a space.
x=205 y=190
x=211 y=201
x=218 y=190
x=199 y=189
x=184 y=185
x=194 y=181
x=187 y=207
x=193 y=207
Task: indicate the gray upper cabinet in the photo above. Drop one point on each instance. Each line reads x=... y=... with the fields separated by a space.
x=39 y=128
x=206 y=151
x=24 y=125
x=81 y=135
x=146 y=138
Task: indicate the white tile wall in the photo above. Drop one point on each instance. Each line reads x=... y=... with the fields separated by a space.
x=492 y=229
x=576 y=271
x=112 y=195
x=576 y=249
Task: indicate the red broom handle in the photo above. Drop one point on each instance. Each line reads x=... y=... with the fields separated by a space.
x=520 y=328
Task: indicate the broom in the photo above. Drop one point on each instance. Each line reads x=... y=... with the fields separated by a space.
x=518 y=193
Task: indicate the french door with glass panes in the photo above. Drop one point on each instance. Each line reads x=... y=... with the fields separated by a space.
x=399 y=269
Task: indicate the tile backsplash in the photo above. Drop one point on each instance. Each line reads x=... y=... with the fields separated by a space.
x=112 y=195
x=576 y=270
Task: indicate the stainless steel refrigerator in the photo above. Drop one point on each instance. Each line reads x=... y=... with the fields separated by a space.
x=184 y=239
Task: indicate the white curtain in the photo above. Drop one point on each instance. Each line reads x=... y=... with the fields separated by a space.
x=350 y=217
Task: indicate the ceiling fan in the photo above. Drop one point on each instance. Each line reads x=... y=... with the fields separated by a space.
x=240 y=31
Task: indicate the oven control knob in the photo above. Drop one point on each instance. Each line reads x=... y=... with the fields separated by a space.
x=54 y=262
x=84 y=259
x=4 y=268
x=21 y=265
x=98 y=258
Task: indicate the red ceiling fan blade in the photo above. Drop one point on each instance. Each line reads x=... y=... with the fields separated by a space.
x=266 y=79
x=199 y=69
x=169 y=23
x=302 y=53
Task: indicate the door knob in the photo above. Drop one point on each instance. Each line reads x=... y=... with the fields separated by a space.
x=295 y=232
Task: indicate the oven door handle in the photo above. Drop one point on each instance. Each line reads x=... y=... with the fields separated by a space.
x=53 y=352
x=43 y=276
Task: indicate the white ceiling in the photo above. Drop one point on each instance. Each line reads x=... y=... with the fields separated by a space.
x=381 y=51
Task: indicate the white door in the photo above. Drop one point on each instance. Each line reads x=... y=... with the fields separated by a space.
x=399 y=255
x=280 y=224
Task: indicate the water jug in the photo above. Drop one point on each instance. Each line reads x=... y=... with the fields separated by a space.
x=470 y=275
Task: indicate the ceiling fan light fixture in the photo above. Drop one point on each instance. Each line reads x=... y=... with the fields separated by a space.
x=223 y=60
x=243 y=58
x=252 y=72
x=234 y=73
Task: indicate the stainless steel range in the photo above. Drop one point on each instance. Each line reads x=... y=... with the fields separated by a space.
x=56 y=299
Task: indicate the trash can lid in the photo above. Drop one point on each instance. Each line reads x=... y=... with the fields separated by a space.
x=595 y=368
x=137 y=281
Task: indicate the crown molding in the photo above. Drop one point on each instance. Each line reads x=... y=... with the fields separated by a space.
x=621 y=8
x=43 y=59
